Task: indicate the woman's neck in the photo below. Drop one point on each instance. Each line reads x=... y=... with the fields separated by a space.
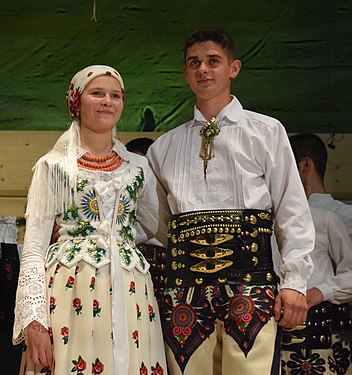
x=96 y=144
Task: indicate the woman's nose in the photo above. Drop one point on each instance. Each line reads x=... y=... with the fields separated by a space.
x=106 y=100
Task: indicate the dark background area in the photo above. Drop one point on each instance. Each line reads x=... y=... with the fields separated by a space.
x=296 y=58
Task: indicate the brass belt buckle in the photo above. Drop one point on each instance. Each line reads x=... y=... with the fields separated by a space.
x=211 y=266
x=297 y=328
x=219 y=238
x=294 y=340
x=211 y=252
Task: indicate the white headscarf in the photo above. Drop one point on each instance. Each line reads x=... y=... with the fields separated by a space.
x=55 y=174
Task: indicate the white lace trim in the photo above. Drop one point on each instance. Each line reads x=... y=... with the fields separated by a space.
x=30 y=301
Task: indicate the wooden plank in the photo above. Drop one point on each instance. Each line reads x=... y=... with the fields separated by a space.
x=20 y=149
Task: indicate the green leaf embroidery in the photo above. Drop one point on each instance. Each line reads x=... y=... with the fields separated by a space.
x=136 y=185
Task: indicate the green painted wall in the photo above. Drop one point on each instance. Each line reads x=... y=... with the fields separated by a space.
x=296 y=58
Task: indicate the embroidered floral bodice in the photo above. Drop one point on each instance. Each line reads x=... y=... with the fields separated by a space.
x=104 y=214
x=101 y=220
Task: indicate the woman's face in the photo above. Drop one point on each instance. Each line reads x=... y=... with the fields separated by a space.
x=101 y=104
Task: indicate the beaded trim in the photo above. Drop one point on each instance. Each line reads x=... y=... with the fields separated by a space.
x=106 y=163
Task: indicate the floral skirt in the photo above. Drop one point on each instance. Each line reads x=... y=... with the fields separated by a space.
x=80 y=320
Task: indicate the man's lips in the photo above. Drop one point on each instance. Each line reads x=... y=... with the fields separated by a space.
x=205 y=80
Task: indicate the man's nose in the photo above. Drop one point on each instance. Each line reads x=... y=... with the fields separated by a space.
x=203 y=67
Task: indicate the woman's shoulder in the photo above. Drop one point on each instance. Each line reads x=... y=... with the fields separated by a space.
x=138 y=159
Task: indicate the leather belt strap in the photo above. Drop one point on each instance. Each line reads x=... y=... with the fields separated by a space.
x=341 y=320
x=316 y=332
x=208 y=247
x=156 y=257
x=261 y=277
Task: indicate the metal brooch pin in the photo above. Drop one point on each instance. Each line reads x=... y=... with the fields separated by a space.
x=208 y=133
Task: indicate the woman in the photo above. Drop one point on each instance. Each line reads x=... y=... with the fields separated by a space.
x=85 y=304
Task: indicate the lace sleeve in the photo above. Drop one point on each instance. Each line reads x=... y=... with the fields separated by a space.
x=30 y=301
x=31 y=290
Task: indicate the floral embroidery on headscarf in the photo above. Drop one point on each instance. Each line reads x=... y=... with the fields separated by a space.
x=80 y=81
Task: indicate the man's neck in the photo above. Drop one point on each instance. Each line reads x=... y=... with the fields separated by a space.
x=211 y=107
x=314 y=186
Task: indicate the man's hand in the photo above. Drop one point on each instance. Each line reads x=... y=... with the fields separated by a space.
x=314 y=297
x=290 y=308
x=39 y=345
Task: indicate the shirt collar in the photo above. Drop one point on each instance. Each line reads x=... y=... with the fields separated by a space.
x=231 y=113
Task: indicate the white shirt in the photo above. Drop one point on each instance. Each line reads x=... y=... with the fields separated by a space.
x=253 y=167
x=332 y=257
x=327 y=202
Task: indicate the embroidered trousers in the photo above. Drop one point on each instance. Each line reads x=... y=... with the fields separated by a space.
x=221 y=330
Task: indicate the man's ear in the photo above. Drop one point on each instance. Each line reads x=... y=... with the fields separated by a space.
x=235 y=68
x=307 y=164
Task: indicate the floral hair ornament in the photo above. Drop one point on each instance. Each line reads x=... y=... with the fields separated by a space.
x=81 y=80
x=57 y=170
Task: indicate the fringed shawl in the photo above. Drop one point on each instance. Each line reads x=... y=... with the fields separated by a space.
x=55 y=177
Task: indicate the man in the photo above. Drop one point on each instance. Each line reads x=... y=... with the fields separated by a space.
x=331 y=279
x=228 y=174
x=311 y=156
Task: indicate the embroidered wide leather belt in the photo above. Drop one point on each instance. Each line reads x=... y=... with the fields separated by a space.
x=323 y=320
x=220 y=247
x=156 y=257
x=341 y=319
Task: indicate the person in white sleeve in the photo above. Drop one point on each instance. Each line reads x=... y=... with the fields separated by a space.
x=323 y=343
x=231 y=180
x=311 y=146
x=85 y=304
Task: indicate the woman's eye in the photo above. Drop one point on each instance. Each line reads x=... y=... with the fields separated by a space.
x=97 y=93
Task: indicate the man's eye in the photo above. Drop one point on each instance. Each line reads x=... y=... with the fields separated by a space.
x=214 y=61
x=194 y=63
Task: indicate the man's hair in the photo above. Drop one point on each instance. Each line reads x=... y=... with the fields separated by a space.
x=310 y=145
x=213 y=34
x=139 y=145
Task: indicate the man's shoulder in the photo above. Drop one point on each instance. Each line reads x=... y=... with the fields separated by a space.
x=327 y=202
x=170 y=134
x=260 y=118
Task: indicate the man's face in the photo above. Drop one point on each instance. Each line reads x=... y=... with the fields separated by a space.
x=208 y=70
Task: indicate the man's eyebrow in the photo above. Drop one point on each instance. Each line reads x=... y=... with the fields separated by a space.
x=192 y=57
